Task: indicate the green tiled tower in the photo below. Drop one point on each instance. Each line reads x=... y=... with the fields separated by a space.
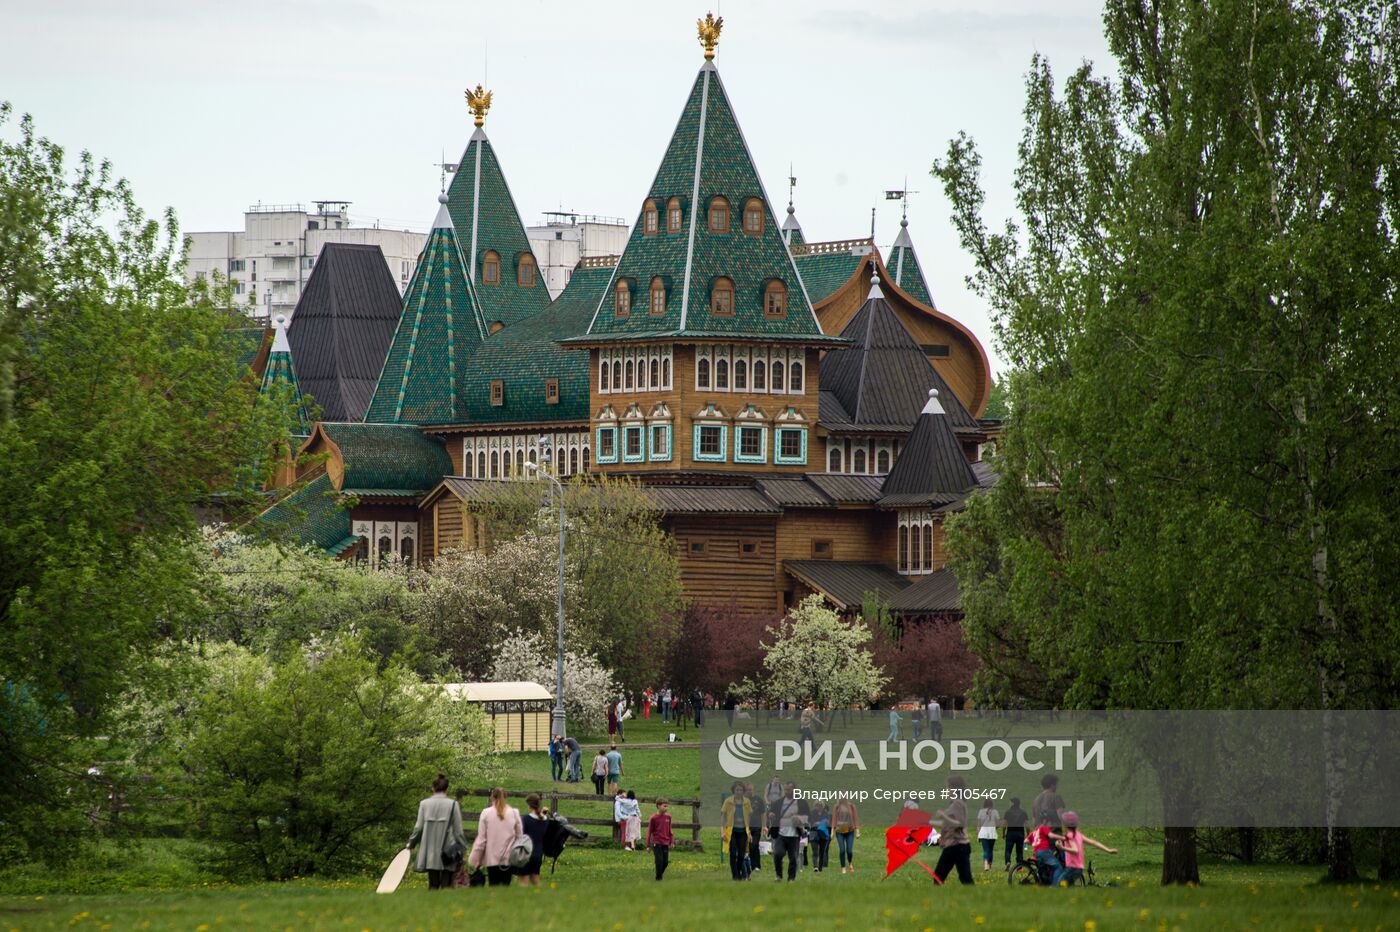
x=280 y=371
x=903 y=266
x=706 y=158
x=441 y=321
x=487 y=221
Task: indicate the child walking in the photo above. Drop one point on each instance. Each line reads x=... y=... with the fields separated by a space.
x=659 y=836
x=1072 y=843
x=631 y=820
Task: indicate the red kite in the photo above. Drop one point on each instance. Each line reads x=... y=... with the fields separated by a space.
x=910 y=832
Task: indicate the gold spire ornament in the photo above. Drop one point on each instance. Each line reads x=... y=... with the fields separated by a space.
x=479 y=101
x=708 y=30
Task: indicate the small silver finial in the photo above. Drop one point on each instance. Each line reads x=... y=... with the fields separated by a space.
x=280 y=320
x=933 y=393
x=442 y=198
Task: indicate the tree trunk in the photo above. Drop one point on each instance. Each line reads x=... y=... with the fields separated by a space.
x=1179 y=856
x=1341 y=856
x=1388 y=867
x=1248 y=838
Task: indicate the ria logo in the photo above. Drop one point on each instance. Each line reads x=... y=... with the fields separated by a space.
x=740 y=755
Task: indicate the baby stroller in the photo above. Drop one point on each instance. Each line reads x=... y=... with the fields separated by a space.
x=556 y=835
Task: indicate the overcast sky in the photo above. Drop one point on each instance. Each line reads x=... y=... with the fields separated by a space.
x=210 y=107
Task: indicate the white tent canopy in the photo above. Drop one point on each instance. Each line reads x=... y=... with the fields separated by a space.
x=497 y=692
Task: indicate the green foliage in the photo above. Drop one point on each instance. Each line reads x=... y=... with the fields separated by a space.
x=998 y=401
x=301 y=765
x=121 y=408
x=818 y=657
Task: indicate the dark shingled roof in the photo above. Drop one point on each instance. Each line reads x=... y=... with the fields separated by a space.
x=342 y=327
x=932 y=466
x=847 y=583
x=710 y=500
x=844 y=489
x=795 y=492
x=936 y=592
x=311 y=515
x=883 y=380
x=388 y=458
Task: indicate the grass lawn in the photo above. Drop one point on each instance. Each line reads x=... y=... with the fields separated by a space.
x=160 y=885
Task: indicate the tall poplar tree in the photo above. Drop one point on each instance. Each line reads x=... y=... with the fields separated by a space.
x=1198 y=299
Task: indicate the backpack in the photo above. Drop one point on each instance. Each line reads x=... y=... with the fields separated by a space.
x=521 y=852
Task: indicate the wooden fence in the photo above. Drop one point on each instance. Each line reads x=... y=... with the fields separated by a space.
x=552 y=798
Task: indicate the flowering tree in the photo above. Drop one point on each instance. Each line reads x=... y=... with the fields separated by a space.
x=818 y=657
x=588 y=687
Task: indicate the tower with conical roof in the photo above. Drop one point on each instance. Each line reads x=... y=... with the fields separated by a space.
x=496 y=251
x=441 y=320
x=792 y=230
x=281 y=374
x=903 y=266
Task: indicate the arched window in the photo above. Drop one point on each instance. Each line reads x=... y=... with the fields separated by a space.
x=604 y=380
x=928 y=547
x=666 y=373
x=386 y=549
x=651 y=221
x=795 y=377
x=573 y=461
x=722 y=298
x=760 y=376
x=558 y=463
x=406 y=550
x=362 y=551
x=753 y=217
x=903 y=549
x=533 y=457
x=741 y=375
x=722 y=375
x=858 y=460
x=702 y=374
x=491 y=268
x=629 y=380
x=658 y=297
x=914 y=548
x=525 y=275
x=495 y=465
x=777 y=377
x=882 y=461
x=520 y=462
x=587 y=456
x=481 y=465
x=655 y=374
x=833 y=460
x=719 y=214
x=673 y=215
x=617 y=375
x=622 y=300
x=775 y=299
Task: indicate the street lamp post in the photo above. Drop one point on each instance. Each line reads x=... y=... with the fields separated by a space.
x=558 y=718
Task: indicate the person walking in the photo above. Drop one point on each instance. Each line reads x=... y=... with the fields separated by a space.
x=894 y=725
x=917 y=719
x=631 y=821
x=659 y=836
x=987 y=820
x=556 y=758
x=1015 y=822
x=757 y=819
x=646 y=703
x=600 y=772
x=575 y=752
x=533 y=825
x=614 y=758
x=622 y=714
x=845 y=824
x=697 y=702
x=935 y=720
x=1048 y=803
x=439 y=836
x=819 y=837
x=734 y=816
x=806 y=722
x=787 y=837
x=1072 y=843
x=952 y=838
x=496 y=833
x=666 y=705
x=612 y=722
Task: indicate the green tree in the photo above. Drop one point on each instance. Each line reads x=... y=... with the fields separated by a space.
x=818 y=657
x=1198 y=302
x=121 y=408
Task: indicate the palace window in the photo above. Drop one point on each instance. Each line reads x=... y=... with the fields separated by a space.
x=655 y=383
x=903 y=548
x=650 y=218
x=491 y=268
x=719 y=214
x=666 y=371
x=495 y=464
x=748 y=444
x=481 y=465
x=834 y=460
x=617 y=375
x=722 y=298
x=551 y=391
x=622 y=300
x=632 y=444
x=753 y=216
x=760 y=376
x=658 y=297
x=702 y=374
x=604 y=376
x=722 y=375
x=778 y=375
x=741 y=375
x=795 y=378
x=525 y=275
x=661 y=441
x=792 y=445
x=858 y=460
x=673 y=215
x=709 y=442
x=748 y=550
x=629 y=382
x=607 y=444
x=775 y=300
x=821 y=550
x=498 y=392
x=573 y=461
x=882 y=461
x=915 y=542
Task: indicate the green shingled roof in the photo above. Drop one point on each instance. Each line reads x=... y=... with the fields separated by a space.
x=824 y=272
x=690 y=261
x=486 y=219
x=280 y=375
x=393 y=458
x=441 y=319
x=310 y=515
x=524 y=355
x=903 y=266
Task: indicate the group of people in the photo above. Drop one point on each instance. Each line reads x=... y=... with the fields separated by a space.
x=749 y=819
x=928 y=713
x=1056 y=843
x=507 y=845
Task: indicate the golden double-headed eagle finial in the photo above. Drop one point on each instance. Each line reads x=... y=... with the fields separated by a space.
x=708 y=30
x=479 y=101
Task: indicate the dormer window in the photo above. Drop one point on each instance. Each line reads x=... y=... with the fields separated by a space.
x=722 y=298
x=651 y=221
x=498 y=392
x=673 y=215
x=525 y=275
x=491 y=268
x=658 y=297
x=551 y=392
x=775 y=300
x=719 y=215
x=622 y=305
x=753 y=217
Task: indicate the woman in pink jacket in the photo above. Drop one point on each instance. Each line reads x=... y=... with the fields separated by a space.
x=496 y=832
